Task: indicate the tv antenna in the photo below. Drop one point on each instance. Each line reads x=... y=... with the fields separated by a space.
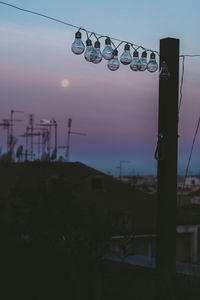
x=121 y=162
x=69 y=124
x=6 y=125
x=12 y=140
x=47 y=136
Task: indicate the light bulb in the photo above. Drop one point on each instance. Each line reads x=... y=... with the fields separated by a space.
x=135 y=64
x=152 y=64
x=90 y=53
x=143 y=62
x=78 y=47
x=164 y=73
x=99 y=55
x=126 y=57
x=113 y=64
x=108 y=50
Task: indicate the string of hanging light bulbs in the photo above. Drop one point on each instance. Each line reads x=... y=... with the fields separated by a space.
x=95 y=55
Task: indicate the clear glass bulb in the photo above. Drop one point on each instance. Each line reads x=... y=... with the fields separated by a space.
x=113 y=64
x=108 y=50
x=135 y=64
x=99 y=55
x=164 y=73
x=143 y=62
x=152 y=64
x=78 y=47
x=126 y=57
x=90 y=53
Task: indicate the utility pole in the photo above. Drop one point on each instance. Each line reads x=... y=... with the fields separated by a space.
x=167 y=161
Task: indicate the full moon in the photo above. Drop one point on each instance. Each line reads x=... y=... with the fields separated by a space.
x=65 y=83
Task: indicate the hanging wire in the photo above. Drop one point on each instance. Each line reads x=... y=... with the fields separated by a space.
x=190 y=55
x=182 y=76
x=97 y=35
x=134 y=46
x=179 y=106
x=191 y=151
x=39 y=14
x=72 y=25
x=181 y=84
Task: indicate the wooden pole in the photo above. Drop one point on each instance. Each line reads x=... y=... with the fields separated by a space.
x=167 y=158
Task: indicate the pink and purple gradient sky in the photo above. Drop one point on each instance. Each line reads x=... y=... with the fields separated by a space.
x=117 y=110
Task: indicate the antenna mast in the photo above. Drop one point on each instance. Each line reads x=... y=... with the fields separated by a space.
x=68 y=137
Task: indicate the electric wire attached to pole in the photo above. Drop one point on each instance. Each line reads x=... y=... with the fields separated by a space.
x=181 y=85
x=191 y=151
x=80 y=28
x=75 y=26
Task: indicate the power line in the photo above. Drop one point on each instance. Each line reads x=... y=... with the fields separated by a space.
x=181 y=84
x=87 y=31
x=190 y=55
x=38 y=14
x=75 y=26
x=191 y=151
x=98 y=35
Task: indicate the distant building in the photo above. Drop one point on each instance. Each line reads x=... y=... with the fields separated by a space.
x=192 y=181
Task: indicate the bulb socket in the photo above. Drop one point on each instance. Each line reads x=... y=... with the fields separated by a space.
x=127 y=47
x=88 y=42
x=107 y=41
x=97 y=44
x=78 y=35
x=144 y=54
x=152 y=56
x=115 y=52
x=135 y=53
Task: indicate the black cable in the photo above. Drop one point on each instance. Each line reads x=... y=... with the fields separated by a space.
x=39 y=14
x=87 y=31
x=74 y=26
x=181 y=84
x=190 y=55
x=193 y=142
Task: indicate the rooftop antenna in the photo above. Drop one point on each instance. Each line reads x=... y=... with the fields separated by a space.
x=47 y=133
x=45 y=137
x=6 y=125
x=31 y=127
x=54 y=154
x=26 y=135
x=12 y=141
x=68 y=137
x=38 y=142
x=26 y=150
x=19 y=153
x=121 y=162
x=32 y=134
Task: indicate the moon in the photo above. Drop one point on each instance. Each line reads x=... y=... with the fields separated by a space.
x=65 y=83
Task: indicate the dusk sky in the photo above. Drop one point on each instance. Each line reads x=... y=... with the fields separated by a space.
x=117 y=110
